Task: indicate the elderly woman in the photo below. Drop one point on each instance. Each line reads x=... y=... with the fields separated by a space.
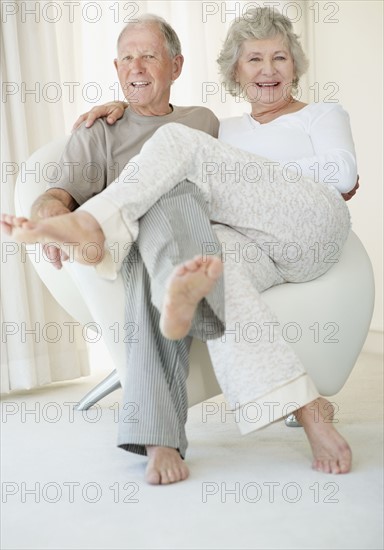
x=281 y=220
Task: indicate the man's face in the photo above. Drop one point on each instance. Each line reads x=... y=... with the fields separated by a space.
x=146 y=70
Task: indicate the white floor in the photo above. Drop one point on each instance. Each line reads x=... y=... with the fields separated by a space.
x=65 y=484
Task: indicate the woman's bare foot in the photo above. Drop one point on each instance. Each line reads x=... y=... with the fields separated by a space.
x=187 y=285
x=78 y=234
x=165 y=466
x=331 y=453
x=10 y=223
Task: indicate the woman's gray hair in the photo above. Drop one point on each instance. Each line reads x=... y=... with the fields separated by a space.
x=259 y=24
x=171 y=39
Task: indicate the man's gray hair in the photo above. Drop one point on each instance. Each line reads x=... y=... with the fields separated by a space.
x=259 y=24
x=171 y=39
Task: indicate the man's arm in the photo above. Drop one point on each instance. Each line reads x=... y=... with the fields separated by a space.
x=53 y=202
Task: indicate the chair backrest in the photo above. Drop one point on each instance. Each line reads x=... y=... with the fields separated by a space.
x=29 y=185
x=327 y=320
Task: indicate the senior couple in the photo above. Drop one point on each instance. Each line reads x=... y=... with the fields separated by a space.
x=173 y=291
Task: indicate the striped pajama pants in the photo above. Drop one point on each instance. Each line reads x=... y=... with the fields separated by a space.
x=155 y=401
x=284 y=221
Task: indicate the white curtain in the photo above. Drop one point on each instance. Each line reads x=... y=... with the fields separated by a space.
x=57 y=61
x=32 y=54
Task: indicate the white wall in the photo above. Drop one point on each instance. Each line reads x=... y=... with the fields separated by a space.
x=350 y=54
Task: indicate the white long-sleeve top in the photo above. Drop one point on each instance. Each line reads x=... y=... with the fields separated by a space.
x=318 y=139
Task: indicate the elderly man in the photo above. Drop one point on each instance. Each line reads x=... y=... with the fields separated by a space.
x=149 y=60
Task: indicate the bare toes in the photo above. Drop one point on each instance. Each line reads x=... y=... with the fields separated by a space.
x=334 y=467
x=186 y=287
x=172 y=476
x=344 y=467
x=183 y=473
x=153 y=477
x=215 y=268
x=191 y=265
x=165 y=466
x=163 y=477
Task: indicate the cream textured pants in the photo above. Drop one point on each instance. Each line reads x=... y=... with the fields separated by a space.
x=276 y=226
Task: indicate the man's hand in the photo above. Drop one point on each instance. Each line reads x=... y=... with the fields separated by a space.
x=54 y=202
x=55 y=256
x=113 y=111
x=352 y=192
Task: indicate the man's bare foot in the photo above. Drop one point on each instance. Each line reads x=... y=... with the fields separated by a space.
x=331 y=453
x=187 y=285
x=165 y=466
x=78 y=234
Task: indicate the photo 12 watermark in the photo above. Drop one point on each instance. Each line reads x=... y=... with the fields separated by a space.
x=269 y=492
x=52 y=492
x=68 y=11
x=27 y=92
x=270 y=332
x=272 y=251
x=53 y=412
x=269 y=171
x=53 y=332
x=263 y=412
x=319 y=92
x=71 y=172
x=319 y=12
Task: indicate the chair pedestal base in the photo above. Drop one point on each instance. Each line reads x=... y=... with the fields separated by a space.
x=292 y=422
x=112 y=383
x=104 y=388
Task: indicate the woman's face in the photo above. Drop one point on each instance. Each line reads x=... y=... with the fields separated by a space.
x=265 y=71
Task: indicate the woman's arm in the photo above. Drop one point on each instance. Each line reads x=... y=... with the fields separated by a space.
x=334 y=161
x=113 y=111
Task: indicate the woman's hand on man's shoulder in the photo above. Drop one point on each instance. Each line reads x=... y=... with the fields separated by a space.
x=114 y=110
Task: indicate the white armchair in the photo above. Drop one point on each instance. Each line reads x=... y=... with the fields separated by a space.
x=325 y=320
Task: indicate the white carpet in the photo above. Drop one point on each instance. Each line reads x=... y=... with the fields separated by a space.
x=252 y=492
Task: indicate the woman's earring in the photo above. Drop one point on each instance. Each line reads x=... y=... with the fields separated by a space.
x=295 y=85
